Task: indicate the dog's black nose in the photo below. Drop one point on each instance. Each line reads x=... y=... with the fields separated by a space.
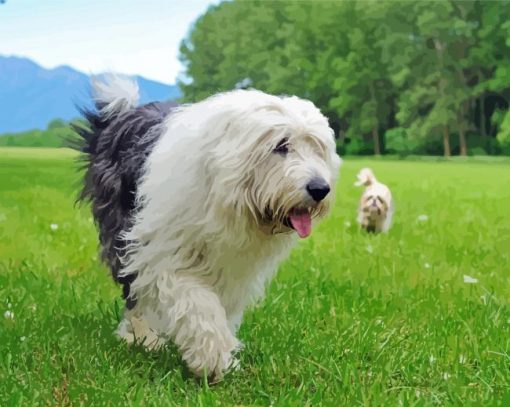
x=318 y=189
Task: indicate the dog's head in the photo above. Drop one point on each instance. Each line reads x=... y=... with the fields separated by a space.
x=376 y=202
x=281 y=161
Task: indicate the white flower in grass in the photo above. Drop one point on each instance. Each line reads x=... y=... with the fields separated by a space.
x=423 y=218
x=53 y=226
x=22 y=338
x=370 y=249
x=470 y=280
x=347 y=224
x=446 y=376
x=426 y=265
x=9 y=314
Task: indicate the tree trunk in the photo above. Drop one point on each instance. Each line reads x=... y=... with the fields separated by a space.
x=462 y=130
x=375 y=126
x=446 y=142
x=341 y=136
x=462 y=142
x=375 y=137
x=483 y=119
x=441 y=85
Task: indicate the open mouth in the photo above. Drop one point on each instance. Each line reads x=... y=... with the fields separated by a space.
x=374 y=210
x=299 y=219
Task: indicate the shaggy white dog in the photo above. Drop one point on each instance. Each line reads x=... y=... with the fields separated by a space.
x=201 y=203
x=375 y=211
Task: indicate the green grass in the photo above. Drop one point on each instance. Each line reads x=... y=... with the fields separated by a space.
x=351 y=319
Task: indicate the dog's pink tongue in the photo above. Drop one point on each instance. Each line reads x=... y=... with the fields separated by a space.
x=302 y=222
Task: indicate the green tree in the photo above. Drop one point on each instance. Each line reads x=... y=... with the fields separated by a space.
x=365 y=92
x=283 y=47
x=434 y=92
x=497 y=28
x=218 y=54
x=432 y=71
x=57 y=124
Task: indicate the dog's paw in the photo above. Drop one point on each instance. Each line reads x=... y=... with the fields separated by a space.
x=125 y=331
x=216 y=377
x=144 y=335
x=136 y=330
x=212 y=357
x=235 y=365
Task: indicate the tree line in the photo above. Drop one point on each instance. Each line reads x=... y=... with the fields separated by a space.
x=58 y=133
x=400 y=77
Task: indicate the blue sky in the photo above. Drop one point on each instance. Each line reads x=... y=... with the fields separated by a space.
x=129 y=36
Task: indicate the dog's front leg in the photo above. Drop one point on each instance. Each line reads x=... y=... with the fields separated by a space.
x=199 y=327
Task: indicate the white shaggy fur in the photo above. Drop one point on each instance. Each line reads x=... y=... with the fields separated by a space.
x=203 y=245
x=375 y=211
x=116 y=93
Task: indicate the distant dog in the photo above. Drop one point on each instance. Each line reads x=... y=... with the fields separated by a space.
x=197 y=205
x=375 y=210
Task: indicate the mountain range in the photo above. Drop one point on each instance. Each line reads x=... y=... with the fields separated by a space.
x=31 y=96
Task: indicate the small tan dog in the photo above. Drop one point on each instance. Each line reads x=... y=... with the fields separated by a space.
x=375 y=210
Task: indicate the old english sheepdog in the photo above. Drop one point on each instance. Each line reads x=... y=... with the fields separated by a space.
x=375 y=211
x=197 y=205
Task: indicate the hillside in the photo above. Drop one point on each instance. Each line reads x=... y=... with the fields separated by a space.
x=31 y=96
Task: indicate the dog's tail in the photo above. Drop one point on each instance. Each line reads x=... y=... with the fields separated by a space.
x=365 y=177
x=114 y=95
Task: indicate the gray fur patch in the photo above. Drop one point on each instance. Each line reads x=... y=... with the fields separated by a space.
x=115 y=151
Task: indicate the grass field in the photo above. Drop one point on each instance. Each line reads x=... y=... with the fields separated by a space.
x=351 y=319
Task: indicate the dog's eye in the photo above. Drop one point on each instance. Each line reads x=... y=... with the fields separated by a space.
x=282 y=147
